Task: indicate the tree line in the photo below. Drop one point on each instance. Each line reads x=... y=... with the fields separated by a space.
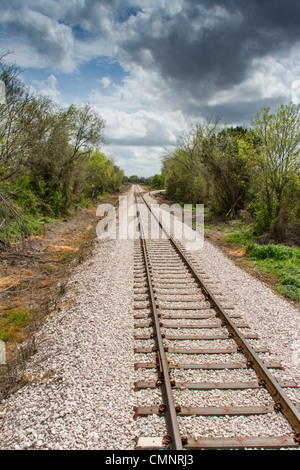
x=154 y=182
x=238 y=170
x=50 y=157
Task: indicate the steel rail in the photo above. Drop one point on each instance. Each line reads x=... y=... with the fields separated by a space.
x=173 y=439
x=282 y=401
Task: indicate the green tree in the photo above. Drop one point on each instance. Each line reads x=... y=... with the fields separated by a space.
x=183 y=164
x=212 y=166
x=57 y=163
x=100 y=175
x=49 y=156
x=231 y=164
x=279 y=164
x=158 y=181
x=13 y=114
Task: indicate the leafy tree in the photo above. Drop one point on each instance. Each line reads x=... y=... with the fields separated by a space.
x=100 y=175
x=211 y=166
x=235 y=168
x=183 y=164
x=158 y=181
x=231 y=164
x=277 y=200
x=279 y=133
x=49 y=156
x=13 y=114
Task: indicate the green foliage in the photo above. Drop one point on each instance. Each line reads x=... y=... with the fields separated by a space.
x=18 y=318
x=240 y=237
x=283 y=262
x=13 y=323
x=100 y=175
x=277 y=183
x=158 y=182
x=137 y=180
x=212 y=166
x=277 y=252
x=235 y=169
x=49 y=158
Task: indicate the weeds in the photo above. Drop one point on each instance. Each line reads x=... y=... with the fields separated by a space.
x=240 y=237
x=277 y=252
x=13 y=323
x=281 y=260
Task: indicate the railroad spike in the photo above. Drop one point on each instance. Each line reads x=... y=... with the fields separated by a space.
x=167 y=440
x=162 y=408
x=184 y=440
x=278 y=406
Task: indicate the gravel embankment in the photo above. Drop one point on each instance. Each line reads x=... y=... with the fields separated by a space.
x=80 y=394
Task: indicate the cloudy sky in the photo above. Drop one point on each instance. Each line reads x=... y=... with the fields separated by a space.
x=152 y=68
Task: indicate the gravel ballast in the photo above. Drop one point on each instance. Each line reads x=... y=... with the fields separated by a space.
x=80 y=392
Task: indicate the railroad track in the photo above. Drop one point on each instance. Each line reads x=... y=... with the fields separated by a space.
x=187 y=343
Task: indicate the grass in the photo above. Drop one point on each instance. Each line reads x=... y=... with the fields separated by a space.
x=12 y=324
x=15 y=230
x=281 y=260
x=240 y=237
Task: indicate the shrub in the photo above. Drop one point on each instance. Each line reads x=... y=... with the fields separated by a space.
x=277 y=252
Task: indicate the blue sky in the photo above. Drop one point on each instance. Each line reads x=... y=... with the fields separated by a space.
x=153 y=68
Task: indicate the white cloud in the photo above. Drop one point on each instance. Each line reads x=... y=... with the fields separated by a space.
x=50 y=39
x=184 y=60
x=296 y=91
x=142 y=161
x=141 y=127
x=48 y=87
x=268 y=79
x=106 y=82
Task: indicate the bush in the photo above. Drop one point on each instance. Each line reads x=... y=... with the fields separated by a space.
x=277 y=252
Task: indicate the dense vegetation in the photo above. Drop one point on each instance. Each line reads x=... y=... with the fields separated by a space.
x=50 y=157
x=238 y=171
x=249 y=182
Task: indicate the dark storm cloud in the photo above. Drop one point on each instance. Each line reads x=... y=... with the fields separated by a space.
x=207 y=54
x=234 y=113
x=51 y=28
x=212 y=43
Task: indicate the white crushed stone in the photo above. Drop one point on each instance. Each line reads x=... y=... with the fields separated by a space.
x=81 y=394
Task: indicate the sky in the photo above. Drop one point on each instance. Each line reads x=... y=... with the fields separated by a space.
x=153 y=68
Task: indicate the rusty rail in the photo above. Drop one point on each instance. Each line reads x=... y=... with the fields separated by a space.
x=174 y=439
x=282 y=401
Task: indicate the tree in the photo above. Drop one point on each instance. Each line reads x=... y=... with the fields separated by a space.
x=49 y=156
x=158 y=181
x=279 y=164
x=231 y=165
x=212 y=166
x=58 y=162
x=99 y=174
x=86 y=131
x=13 y=114
x=185 y=165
